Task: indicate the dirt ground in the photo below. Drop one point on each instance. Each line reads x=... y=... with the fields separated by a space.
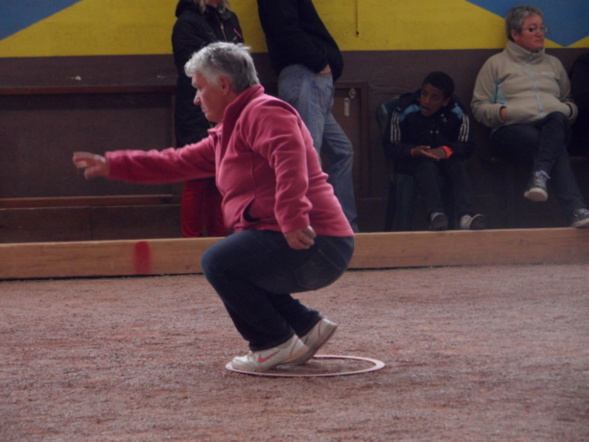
x=472 y=354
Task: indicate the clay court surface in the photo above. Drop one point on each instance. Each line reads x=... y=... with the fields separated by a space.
x=472 y=353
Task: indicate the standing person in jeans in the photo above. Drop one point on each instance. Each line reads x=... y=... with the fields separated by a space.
x=524 y=94
x=198 y=23
x=308 y=62
x=290 y=233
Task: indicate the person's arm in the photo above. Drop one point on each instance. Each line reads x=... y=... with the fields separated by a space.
x=91 y=164
x=565 y=93
x=398 y=143
x=580 y=82
x=277 y=134
x=485 y=108
x=393 y=144
x=462 y=142
x=187 y=38
x=232 y=28
x=154 y=167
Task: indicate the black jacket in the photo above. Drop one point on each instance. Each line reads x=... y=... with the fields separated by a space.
x=408 y=128
x=580 y=90
x=192 y=31
x=295 y=34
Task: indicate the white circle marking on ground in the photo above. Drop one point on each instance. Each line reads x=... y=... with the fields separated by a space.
x=284 y=372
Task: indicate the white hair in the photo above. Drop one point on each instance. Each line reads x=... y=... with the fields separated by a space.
x=231 y=60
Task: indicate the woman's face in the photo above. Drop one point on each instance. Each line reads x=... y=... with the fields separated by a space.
x=213 y=3
x=531 y=36
x=210 y=97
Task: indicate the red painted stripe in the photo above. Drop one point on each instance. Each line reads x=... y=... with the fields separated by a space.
x=142 y=260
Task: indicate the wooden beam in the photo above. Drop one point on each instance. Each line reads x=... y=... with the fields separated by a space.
x=88 y=89
x=88 y=201
x=373 y=250
x=462 y=248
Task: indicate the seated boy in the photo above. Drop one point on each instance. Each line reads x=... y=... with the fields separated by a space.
x=430 y=138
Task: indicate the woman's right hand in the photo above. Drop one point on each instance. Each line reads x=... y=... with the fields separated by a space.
x=503 y=113
x=93 y=165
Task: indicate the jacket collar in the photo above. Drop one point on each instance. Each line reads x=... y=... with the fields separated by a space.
x=520 y=54
x=234 y=109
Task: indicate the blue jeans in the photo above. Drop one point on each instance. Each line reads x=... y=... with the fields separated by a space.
x=544 y=143
x=255 y=271
x=312 y=96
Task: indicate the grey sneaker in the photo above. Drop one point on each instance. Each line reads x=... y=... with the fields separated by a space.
x=536 y=190
x=438 y=221
x=264 y=360
x=580 y=218
x=316 y=338
x=476 y=222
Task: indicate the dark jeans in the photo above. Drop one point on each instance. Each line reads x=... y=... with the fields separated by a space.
x=255 y=272
x=544 y=144
x=429 y=176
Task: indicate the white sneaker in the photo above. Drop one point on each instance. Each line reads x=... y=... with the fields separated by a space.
x=438 y=221
x=580 y=218
x=536 y=190
x=476 y=222
x=316 y=338
x=263 y=360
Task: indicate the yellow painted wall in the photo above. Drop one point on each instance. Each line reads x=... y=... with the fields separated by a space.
x=128 y=27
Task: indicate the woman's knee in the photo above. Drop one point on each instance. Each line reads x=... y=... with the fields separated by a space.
x=558 y=117
x=210 y=260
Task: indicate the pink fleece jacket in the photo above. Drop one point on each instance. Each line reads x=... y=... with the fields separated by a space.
x=265 y=166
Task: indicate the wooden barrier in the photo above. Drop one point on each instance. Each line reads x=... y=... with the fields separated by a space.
x=373 y=251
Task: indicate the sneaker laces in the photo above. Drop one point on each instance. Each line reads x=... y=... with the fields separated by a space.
x=541 y=174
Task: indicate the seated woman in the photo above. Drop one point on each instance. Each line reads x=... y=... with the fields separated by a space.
x=524 y=95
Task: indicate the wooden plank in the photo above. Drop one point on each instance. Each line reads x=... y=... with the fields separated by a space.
x=460 y=248
x=373 y=250
x=102 y=258
x=136 y=222
x=45 y=224
x=89 y=223
x=85 y=201
x=88 y=89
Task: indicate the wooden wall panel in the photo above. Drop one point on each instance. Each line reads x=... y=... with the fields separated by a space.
x=40 y=133
x=49 y=224
x=47 y=112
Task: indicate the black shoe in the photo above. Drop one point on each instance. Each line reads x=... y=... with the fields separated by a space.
x=536 y=190
x=580 y=218
x=438 y=221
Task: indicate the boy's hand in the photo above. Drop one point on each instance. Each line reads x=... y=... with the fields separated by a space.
x=439 y=153
x=428 y=152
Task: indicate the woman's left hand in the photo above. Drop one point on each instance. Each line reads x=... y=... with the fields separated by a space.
x=301 y=239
